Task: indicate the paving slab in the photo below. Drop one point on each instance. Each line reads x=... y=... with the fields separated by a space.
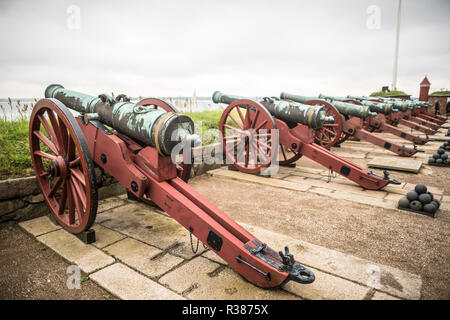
x=147 y=224
x=104 y=236
x=202 y=279
x=436 y=137
x=387 y=279
x=112 y=202
x=383 y=296
x=327 y=287
x=39 y=226
x=128 y=284
x=86 y=256
x=240 y=176
x=147 y=259
x=407 y=165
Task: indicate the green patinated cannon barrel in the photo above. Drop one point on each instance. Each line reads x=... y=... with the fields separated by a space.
x=312 y=116
x=155 y=127
x=412 y=104
x=379 y=107
x=398 y=105
x=343 y=107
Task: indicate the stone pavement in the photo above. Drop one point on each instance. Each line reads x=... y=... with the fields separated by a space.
x=309 y=176
x=141 y=253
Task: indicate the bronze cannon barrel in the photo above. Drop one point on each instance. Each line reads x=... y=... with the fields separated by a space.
x=150 y=126
x=343 y=107
x=397 y=104
x=312 y=116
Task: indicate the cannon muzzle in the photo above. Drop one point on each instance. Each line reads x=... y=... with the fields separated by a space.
x=150 y=126
x=312 y=116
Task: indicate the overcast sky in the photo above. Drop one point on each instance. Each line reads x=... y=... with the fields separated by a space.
x=173 y=47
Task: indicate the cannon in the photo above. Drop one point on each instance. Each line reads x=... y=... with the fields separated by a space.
x=351 y=126
x=133 y=143
x=421 y=110
x=408 y=117
x=382 y=121
x=254 y=138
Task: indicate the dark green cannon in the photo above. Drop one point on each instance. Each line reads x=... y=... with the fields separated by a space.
x=343 y=107
x=395 y=105
x=312 y=116
x=151 y=126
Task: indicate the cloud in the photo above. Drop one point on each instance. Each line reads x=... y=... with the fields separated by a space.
x=250 y=48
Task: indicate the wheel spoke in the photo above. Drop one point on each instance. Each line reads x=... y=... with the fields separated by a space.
x=234 y=129
x=70 y=148
x=75 y=162
x=64 y=136
x=247 y=117
x=76 y=199
x=49 y=130
x=283 y=152
x=240 y=115
x=235 y=121
x=55 y=187
x=81 y=195
x=246 y=151
x=44 y=154
x=62 y=201
x=77 y=174
x=260 y=152
x=70 y=204
x=256 y=118
x=46 y=141
x=333 y=133
x=59 y=143
x=261 y=125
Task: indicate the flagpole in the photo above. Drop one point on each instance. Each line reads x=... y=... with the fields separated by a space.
x=394 y=78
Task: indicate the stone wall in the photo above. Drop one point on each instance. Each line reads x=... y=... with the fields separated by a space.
x=21 y=199
x=442 y=104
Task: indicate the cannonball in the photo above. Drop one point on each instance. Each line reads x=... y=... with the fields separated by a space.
x=403 y=202
x=439 y=161
x=431 y=160
x=444 y=156
x=447 y=161
x=430 y=208
x=412 y=195
x=425 y=198
x=436 y=202
x=431 y=195
x=441 y=151
x=436 y=155
x=420 y=188
x=416 y=205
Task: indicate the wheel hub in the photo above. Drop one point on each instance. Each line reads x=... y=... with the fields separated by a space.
x=59 y=167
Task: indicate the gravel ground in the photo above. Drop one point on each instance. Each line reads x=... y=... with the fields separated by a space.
x=29 y=270
x=404 y=240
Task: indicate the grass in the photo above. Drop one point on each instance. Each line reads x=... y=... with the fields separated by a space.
x=15 y=160
x=386 y=94
x=14 y=150
x=441 y=93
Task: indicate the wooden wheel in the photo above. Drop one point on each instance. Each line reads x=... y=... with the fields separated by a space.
x=63 y=165
x=248 y=136
x=185 y=165
x=287 y=155
x=330 y=133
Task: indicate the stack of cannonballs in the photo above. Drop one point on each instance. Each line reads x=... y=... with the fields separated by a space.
x=446 y=145
x=440 y=157
x=419 y=200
